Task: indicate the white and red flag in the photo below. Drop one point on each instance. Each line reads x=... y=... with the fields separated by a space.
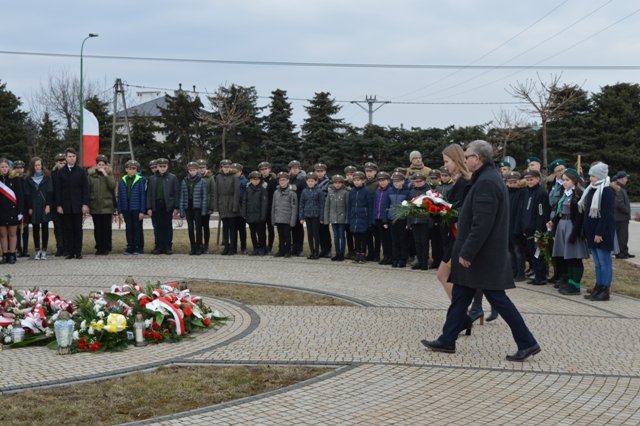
x=90 y=138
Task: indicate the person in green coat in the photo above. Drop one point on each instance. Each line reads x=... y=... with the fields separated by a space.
x=101 y=203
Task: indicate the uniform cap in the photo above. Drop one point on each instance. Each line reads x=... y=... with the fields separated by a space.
x=192 y=165
x=201 y=163
x=532 y=159
x=237 y=166
x=264 y=165
x=349 y=169
x=320 y=166
x=384 y=175
x=283 y=175
x=59 y=157
x=132 y=163
x=102 y=158
x=337 y=178
x=294 y=163
x=513 y=175
x=359 y=175
x=418 y=176
x=397 y=176
x=225 y=162
x=370 y=166
x=153 y=163
x=531 y=173
x=18 y=163
x=162 y=161
x=255 y=175
x=556 y=163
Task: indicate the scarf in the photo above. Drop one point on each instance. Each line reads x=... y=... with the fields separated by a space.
x=37 y=177
x=598 y=187
x=567 y=194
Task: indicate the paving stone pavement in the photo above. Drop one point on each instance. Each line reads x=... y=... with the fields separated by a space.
x=587 y=373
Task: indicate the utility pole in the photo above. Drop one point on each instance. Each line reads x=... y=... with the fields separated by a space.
x=371 y=100
x=118 y=89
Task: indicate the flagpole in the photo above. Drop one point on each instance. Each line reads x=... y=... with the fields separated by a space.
x=91 y=35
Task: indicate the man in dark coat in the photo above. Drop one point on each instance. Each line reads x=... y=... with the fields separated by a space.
x=163 y=196
x=72 y=199
x=479 y=254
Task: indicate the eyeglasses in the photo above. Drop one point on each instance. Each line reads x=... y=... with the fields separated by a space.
x=466 y=157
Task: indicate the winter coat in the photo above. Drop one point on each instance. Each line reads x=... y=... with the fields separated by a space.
x=227 y=189
x=37 y=197
x=392 y=198
x=622 y=212
x=101 y=192
x=359 y=209
x=210 y=181
x=171 y=190
x=255 y=204
x=298 y=183
x=284 y=208
x=336 y=206
x=535 y=212
x=270 y=183
x=197 y=198
x=379 y=211
x=483 y=234
x=311 y=203
x=72 y=189
x=516 y=205
x=9 y=211
x=134 y=200
x=605 y=225
x=243 y=187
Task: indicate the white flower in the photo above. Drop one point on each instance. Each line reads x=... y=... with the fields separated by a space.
x=101 y=322
x=216 y=314
x=147 y=323
x=7 y=339
x=48 y=332
x=83 y=325
x=404 y=203
x=90 y=331
x=101 y=314
x=76 y=335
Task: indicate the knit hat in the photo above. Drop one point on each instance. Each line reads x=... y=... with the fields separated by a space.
x=572 y=174
x=414 y=154
x=599 y=170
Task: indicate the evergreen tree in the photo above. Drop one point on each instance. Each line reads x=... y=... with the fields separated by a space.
x=13 y=131
x=48 y=142
x=322 y=133
x=281 y=143
x=145 y=146
x=181 y=126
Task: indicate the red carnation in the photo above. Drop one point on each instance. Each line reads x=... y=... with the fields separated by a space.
x=94 y=346
x=206 y=322
x=155 y=325
x=433 y=210
x=187 y=311
x=82 y=344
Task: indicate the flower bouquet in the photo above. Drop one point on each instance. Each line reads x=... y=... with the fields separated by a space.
x=544 y=244
x=429 y=205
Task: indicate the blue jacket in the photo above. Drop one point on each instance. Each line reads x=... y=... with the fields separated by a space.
x=359 y=209
x=392 y=198
x=134 y=200
x=311 y=203
x=378 y=211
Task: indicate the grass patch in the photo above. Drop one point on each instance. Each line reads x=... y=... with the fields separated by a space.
x=626 y=277
x=260 y=295
x=139 y=396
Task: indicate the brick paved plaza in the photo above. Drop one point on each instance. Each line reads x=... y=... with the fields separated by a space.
x=588 y=371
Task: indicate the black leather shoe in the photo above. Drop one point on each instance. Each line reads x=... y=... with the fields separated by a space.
x=78 y=256
x=523 y=354
x=438 y=346
x=69 y=256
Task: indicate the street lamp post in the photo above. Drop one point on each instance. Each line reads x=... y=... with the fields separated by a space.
x=91 y=35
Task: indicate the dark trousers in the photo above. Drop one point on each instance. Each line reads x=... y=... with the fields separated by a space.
x=359 y=242
x=194 y=227
x=258 y=234
x=517 y=252
x=271 y=234
x=314 y=238
x=622 y=231
x=230 y=234
x=102 y=231
x=349 y=240
x=154 y=223
x=457 y=315
x=37 y=243
x=435 y=239
x=325 y=239
x=339 y=237
x=164 y=227
x=241 y=226
x=297 y=238
x=206 y=230
x=421 y=240
x=373 y=243
x=72 y=223
x=399 y=248
x=385 y=239
x=537 y=263
x=22 y=243
x=132 y=225
x=58 y=231
x=284 y=235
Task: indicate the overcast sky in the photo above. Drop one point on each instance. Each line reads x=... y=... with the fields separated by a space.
x=399 y=32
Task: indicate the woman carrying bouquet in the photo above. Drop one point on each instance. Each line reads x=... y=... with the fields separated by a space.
x=569 y=246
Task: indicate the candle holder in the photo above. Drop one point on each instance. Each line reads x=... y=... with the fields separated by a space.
x=138 y=328
x=64 y=332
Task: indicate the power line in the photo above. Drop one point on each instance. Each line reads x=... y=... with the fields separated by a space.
x=342 y=100
x=330 y=64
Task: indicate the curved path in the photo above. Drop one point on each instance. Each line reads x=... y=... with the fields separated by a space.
x=587 y=373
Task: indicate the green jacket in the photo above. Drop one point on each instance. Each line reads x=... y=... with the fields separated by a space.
x=101 y=192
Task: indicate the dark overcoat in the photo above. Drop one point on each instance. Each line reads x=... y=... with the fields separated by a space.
x=227 y=195
x=483 y=234
x=37 y=197
x=72 y=189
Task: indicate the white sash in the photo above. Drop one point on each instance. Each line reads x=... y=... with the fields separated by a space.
x=8 y=192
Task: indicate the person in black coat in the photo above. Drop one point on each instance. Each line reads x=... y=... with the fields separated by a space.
x=535 y=215
x=270 y=183
x=72 y=198
x=58 y=228
x=38 y=195
x=11 y=210
x=254 y=209
x=163 y=196
x=478 y=256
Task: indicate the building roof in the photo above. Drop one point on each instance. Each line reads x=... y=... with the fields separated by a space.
x=145 y=109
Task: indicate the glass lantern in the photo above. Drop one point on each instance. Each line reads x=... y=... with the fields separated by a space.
x=64 y=332
x=17 y=333
x=138 y=328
